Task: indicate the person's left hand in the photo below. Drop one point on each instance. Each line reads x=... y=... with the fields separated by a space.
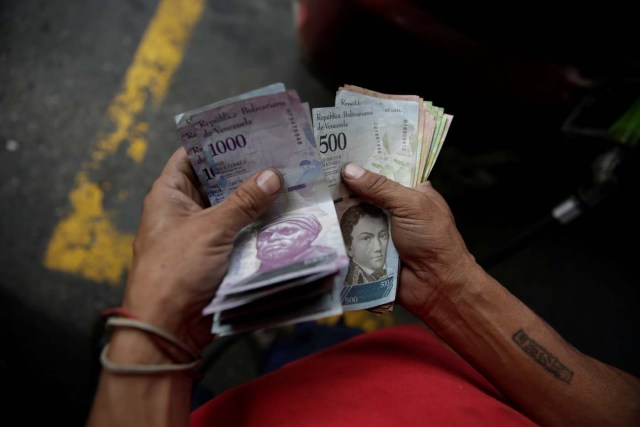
x=181 y=250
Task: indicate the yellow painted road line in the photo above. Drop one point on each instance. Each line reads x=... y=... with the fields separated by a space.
x=86 y=242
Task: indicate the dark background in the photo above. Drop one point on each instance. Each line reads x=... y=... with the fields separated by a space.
x=506 y=163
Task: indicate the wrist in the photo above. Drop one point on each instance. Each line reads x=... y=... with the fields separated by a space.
x=140 y=357
x=448 y=285
x=170 y=345
x=456 y=295
x=135 y=347
x=145 y=362
x=156 y=397
x=147 y=297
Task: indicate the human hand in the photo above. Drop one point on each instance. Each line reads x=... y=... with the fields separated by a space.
x=433 y=254
x=181 y=250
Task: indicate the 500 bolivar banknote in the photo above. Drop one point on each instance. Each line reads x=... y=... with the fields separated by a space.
x=358 y=134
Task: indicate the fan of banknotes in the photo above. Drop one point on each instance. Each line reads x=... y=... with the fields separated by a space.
x=319 y=250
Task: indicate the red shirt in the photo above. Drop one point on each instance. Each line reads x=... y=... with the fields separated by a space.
x=400 y=376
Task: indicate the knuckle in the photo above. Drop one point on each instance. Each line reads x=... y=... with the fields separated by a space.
x=416 y=205
x=418 y=201
x=136 y=246
x=148 y=200
x=172 y=181
x=169 y=181
x=246 y=202
x=179 y=181
x=377 y=184
x=157 y=188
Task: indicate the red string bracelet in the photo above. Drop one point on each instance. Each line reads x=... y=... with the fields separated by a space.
x=117 y=311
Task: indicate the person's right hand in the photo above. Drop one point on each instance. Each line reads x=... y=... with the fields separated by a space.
x=433 y=254
x=182 y=248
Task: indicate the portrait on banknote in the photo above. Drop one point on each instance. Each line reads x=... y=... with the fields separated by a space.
x=365 y=230
x=288 y=240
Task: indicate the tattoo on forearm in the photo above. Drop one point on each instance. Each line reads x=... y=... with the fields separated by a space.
x=543 y=356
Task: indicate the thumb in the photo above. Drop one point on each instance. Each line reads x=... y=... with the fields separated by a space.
x=248 y=201
x=378 y=189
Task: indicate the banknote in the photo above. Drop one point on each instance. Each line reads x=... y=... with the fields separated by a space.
x=193 y=146
x=314 y=307
x=356 y=134
x=184 y=119
x=433 y=125
x=351 y=134
x=442 y=134
x=407 y=109
x=324 y=263
x=400 y=131
x=225 y=302
x=294 y=295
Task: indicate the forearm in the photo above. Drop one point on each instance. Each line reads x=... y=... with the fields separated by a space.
x=527 y=360
x=134 y=400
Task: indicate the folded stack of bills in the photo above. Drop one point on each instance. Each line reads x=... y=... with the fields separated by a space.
x=289 y=265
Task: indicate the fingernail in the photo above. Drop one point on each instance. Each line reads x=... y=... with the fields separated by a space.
x=269 y=181
x=353 y=171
